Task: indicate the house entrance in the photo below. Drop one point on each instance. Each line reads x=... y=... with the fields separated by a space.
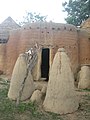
x=45 y=63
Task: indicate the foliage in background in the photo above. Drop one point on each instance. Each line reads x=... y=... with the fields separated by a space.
x=32 y=17
x=78 y=11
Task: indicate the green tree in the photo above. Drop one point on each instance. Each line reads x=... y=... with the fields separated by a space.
x=32 y=17
x=78 y=11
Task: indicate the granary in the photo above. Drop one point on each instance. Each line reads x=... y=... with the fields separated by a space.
x=49 y=37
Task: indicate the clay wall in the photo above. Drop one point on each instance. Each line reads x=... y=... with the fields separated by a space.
x=2 y=57
x=84 y=47
x=49 y=35
x=12 y=50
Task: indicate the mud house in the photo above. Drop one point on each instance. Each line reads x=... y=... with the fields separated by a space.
x=49 y=37
x=5 y=28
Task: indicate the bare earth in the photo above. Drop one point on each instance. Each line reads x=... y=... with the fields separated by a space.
x=83 y=113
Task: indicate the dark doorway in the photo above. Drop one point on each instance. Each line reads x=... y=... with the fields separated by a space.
x=45 y=63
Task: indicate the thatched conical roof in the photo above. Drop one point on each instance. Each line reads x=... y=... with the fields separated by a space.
x=7 y=25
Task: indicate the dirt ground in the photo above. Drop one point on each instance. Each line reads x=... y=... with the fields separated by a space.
x=83 y=113
x=8 y=111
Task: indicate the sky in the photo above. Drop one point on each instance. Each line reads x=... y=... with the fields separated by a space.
x=17 y=9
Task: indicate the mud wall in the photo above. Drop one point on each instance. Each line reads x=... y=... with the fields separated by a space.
x=2 y=57
x=84 y=47
x=12 y=51
x=47 y=35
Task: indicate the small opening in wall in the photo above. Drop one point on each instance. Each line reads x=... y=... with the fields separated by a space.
x=1 y=72
x=3 y=41
x=58 y=29
x=30 y=28
x=64 y=28
x=37 y=27
x=48 y=32
x=45 y=27
x=56 y=46
x=70 y=29
x=42 y=31
x=53 y=28
x=88 y=38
